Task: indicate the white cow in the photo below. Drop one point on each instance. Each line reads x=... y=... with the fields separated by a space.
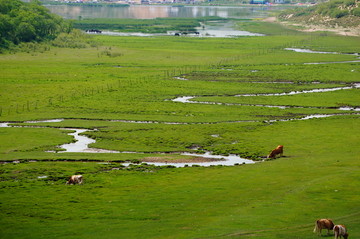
x=340 y=231
x=75 y=179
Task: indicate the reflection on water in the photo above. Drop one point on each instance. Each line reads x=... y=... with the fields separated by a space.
x=300 y=50
x=216 y=29
x=81 y=144
x=222 y=29
x=160 y=11
x=223 y=160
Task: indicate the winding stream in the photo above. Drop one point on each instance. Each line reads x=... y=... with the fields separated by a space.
x=82 y=142
x=300 y=50
x=188 y=99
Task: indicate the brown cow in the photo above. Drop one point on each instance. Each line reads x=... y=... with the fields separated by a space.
x=278 y=150
x=75 y=179
x=340 y=231
x=323 y=224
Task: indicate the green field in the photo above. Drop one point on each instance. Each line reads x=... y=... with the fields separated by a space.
x=118 y=82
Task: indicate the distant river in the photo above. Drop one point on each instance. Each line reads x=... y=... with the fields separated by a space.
x=155 y=11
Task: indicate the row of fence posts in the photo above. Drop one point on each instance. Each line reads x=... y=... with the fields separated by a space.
x=51 y=101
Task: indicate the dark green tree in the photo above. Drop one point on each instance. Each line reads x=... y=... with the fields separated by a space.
x=28 y=22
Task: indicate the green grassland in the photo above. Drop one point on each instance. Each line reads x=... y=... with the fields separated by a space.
x=122 y=81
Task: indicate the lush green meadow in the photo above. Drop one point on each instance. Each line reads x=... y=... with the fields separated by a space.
x=123 y=87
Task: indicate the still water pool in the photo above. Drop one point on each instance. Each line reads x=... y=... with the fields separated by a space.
x=160 y=11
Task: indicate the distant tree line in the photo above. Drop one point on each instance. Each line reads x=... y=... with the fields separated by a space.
x=28 y=22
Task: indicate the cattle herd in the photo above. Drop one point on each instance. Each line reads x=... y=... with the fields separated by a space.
x=93 y=31
x=339 y=230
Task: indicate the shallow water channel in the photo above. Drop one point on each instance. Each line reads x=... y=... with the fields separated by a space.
x=82 y=142
x=216 y=29
x=188 y=99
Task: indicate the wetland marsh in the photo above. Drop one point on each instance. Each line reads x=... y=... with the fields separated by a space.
x=119 y=91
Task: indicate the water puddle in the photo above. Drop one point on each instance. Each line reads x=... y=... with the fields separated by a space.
x=317 y=116
x=180 y=78
x=44 y=121
x=299 y=50
x=230 y=160
x=331 y=62
x=4 y=125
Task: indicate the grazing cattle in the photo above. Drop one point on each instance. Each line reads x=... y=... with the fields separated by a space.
x=94 y=31
x=278 y=150
x=340 y=231
x=323 y=224
x=75 y=179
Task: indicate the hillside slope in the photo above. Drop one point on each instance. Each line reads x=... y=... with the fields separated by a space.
x=342 y=16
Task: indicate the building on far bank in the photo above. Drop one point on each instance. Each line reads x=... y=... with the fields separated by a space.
x=259 y=1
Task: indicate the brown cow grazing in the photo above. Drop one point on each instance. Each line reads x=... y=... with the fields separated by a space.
x=323 y=224
x=340 y=231
x=278 y=150
x=75 y=179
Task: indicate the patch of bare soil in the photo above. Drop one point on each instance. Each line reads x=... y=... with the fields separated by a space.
x=337 y=30
x=306 y=27
x=182 y=160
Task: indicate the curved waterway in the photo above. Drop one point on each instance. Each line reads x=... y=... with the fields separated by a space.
x=300 y=50
x=82 y=142
x=188 y=99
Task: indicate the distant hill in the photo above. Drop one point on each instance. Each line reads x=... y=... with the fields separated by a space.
x=332 y=14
